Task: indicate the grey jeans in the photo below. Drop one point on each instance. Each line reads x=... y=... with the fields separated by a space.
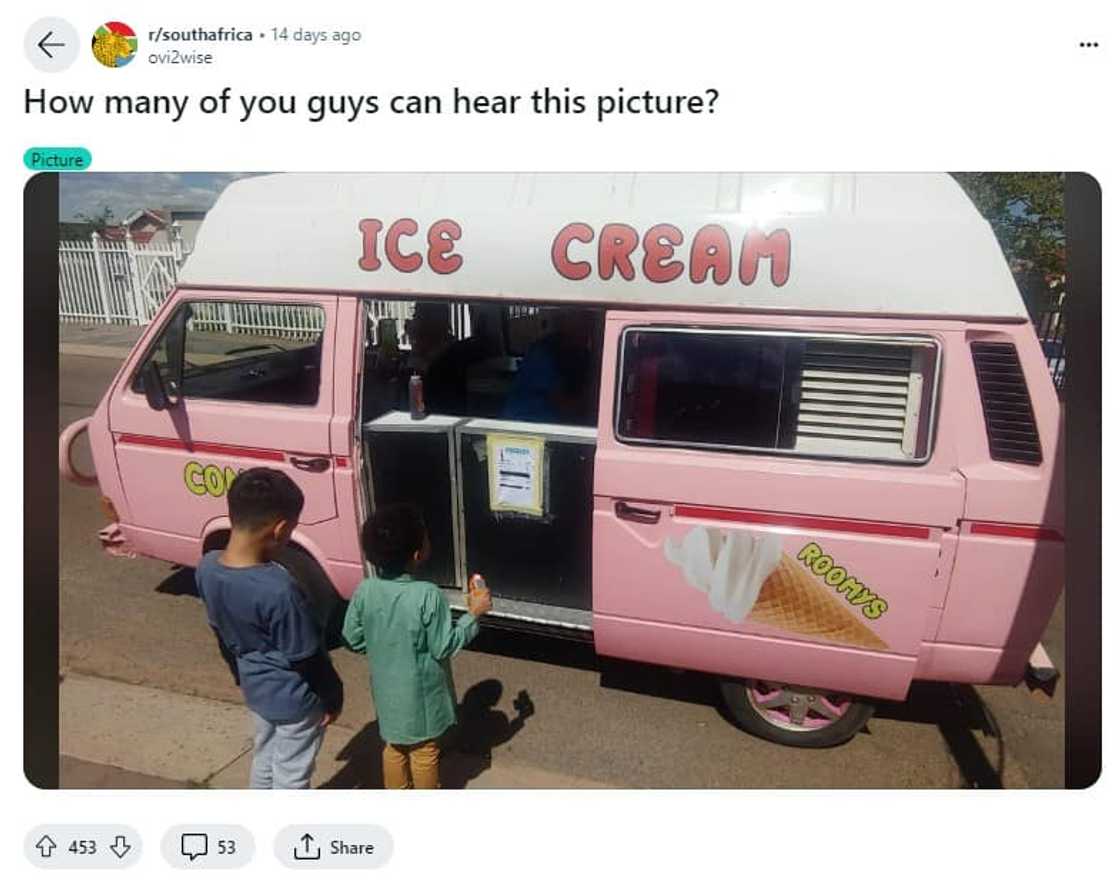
x=284 y=753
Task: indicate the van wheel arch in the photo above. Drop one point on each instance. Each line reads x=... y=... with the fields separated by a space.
x=215 y=541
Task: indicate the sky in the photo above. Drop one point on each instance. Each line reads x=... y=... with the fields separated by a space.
x=89 y=193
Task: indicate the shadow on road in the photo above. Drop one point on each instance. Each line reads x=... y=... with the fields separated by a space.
x=466 y=750
x=959 y=712
x=180 y=582
x=537 y=647
x=362 y=755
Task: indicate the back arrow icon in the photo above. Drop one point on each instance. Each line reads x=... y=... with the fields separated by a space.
x=43 y=44
x=120 y=847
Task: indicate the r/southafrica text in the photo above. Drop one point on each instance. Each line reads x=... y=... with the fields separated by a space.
x=173 y=106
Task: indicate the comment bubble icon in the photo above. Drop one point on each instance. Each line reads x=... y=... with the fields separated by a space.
x=207 y=846
x=194 y=845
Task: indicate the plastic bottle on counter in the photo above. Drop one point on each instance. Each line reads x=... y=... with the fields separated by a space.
x=416 y=406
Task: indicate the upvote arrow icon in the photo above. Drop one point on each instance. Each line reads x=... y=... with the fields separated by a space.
x=46 y=846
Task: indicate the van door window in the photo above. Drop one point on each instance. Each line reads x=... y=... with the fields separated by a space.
x=838 y=396
x=248 y=352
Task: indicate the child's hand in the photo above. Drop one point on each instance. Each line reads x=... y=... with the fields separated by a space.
x=328 y=718
x=478 y=602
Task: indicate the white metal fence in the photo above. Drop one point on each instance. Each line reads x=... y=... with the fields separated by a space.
x=293 y=321
x=124 y=282
x=115 y=281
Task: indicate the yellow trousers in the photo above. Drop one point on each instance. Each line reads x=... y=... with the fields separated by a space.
x=411 y=766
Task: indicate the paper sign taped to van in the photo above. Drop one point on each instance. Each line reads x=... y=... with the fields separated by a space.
x=516 y=467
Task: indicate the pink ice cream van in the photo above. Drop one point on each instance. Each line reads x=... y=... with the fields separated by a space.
x=795 y=431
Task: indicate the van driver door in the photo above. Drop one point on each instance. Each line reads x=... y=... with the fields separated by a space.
x=249 y=380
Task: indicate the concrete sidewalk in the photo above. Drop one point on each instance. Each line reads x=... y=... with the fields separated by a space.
x=119 y=736
x=98 y=339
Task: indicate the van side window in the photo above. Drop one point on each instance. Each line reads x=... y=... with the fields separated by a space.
x=837 y=396
x=247 y=352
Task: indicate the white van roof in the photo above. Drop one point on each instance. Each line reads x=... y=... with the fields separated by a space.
x=899 y=244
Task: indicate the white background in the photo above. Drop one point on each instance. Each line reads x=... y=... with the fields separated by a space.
x=803 y=86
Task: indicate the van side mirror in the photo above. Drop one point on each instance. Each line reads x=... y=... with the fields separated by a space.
x=175 y=338
x=154 y=391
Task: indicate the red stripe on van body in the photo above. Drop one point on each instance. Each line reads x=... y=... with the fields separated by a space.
x=1011 y=530
x=892 y=529
x=206 y=448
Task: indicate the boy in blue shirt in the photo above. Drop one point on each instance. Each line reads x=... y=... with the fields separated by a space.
x=268 y=633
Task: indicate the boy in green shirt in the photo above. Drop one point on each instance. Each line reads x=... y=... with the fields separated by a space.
x=404 y=627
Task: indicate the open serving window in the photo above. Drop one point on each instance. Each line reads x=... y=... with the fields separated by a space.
x=502 y=463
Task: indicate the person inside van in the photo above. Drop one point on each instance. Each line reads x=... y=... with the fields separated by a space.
x=446 y=388
x=556 y=380
x=429 y=332
x=405 y=629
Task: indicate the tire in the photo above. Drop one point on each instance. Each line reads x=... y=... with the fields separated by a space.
x=770 y=711
x=328 y=606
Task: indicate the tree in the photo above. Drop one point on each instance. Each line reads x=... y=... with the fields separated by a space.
x=85 y=224
x=104 y=218
x=1027 y=213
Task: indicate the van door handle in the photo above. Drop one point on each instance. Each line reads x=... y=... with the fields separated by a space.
x=314 y=465
x=636 y=514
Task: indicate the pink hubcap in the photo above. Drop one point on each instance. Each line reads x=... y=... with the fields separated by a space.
x=796 y=707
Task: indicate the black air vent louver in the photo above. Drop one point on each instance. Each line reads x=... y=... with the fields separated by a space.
x=1012 y=431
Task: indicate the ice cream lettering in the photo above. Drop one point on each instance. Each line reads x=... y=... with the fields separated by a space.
x=747 y=575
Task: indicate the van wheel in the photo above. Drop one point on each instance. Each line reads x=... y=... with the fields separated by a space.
x=794 y=715
x=328 y=606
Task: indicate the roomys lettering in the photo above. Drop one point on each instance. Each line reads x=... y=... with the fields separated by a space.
x=836 y=576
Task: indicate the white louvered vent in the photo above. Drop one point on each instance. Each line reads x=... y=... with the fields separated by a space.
x=859 y=398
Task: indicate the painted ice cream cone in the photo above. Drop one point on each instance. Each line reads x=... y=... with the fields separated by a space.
x=792 y=600
x=747 y=575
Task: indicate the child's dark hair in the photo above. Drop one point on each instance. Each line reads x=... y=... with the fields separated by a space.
x=262 y=495
x=391 y=536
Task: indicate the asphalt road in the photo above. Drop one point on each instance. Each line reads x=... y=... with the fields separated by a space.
x=620 y=724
